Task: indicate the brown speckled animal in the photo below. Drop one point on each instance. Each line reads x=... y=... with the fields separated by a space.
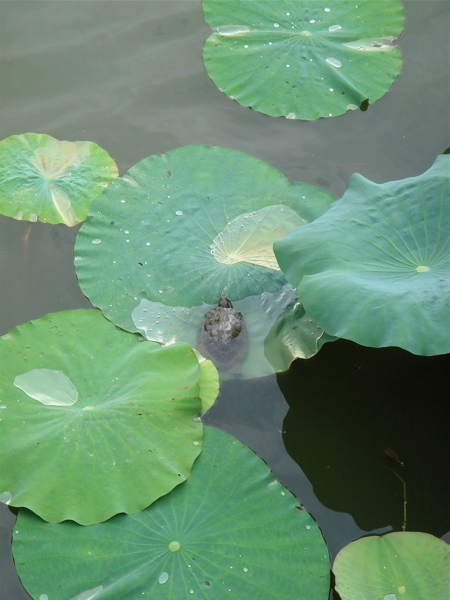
x=223 y=336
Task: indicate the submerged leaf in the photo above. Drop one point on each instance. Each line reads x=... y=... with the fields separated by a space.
x=45 y=179
x=303 y=60
x=231 y=531
x=277 y=327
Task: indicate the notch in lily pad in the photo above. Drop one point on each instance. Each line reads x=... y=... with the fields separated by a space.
x=53 y=181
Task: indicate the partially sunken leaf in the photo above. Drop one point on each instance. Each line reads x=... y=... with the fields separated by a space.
x=230 y=531
x=130 y=437
x=45 y=179
x=375 y=267
x=277 y=327
x=185 y=227
x=396 y=566
x=303 y=60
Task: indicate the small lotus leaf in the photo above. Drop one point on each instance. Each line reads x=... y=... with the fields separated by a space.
x=397 y=566
x=45 y=179
x=230 y=531
x=375 y=267
x=303 y=60
x=123 y=432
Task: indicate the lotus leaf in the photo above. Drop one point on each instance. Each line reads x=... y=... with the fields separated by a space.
x=45 y=179
x=94 y=422
x=230 y=531
x=400 y=565
x=300 y=59
x=375 y=267
x=184 y=227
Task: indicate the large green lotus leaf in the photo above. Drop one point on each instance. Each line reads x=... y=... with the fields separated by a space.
x=375 y=267
x=300 y=59
x=45 y=179
x=94 y=422
x=230 y=531
x=182 y=228
x=396 y=566
x=277 y=327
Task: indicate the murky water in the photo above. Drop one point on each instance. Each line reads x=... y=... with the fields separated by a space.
x=130 y=77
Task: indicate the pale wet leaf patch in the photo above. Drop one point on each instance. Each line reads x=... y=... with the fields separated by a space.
x=6 y=497
x=375 y=44
x=88 y=594
x=250 y=236
x=49 y=386
x=53 y=159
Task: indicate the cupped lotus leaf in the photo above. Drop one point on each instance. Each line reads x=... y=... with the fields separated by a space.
x=231 y=531
x=157 y=232
x=401 y=565
x=277 y=327
x=375 y=267
x=300 y=59
x=45 y=179
x=130 y=437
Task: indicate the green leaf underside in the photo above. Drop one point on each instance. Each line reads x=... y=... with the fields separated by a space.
x=230 y=531
x=278 y=329
x=396 y=566
x=151 y=235
x=303 y=60
x=375 y=268
x=45 y=179
x=132 y=435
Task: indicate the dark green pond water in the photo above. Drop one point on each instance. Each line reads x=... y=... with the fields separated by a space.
x=130 y=77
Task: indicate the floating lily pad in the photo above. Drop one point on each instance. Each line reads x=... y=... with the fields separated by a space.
x=45 y=179
x=184 y=227
x=375 y=267
x=277 y=326
x=230 y=531
x=303 y=60
x=94 y=422
x=401 y=565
